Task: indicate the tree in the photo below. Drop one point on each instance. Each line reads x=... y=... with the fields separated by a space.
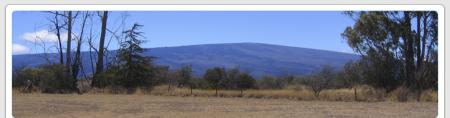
x=100 y=55
x=68 y=69
x=199 y=83
x=69 y=42
x=171 y=80
x=161 y=74
x=58 y=28
x=321 y=79
x=215 y=76
x=381 y=71
x=245 y=81
x=231 y=81
x=135 y=70
x=288 y=80
x=394 y=38
x=77 y=61
x=185 y=73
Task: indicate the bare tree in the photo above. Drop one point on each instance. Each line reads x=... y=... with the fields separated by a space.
x=99 y=67
x=41 y=43
x=320 y=80
x=77 y=62
x=69 y=42
x=92 y=49
x=58 y=28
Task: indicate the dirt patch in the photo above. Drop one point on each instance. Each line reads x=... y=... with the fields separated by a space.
x=145 y=106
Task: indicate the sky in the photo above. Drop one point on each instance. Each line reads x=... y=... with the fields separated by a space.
x=307 y=29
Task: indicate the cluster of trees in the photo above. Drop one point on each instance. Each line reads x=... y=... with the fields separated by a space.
x=215 y=78
x=131 y=69
x=82 y=28
x=62 y=76
x=398 y=48
x=231 y=79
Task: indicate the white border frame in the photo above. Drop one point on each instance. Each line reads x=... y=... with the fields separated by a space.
x=438 y=8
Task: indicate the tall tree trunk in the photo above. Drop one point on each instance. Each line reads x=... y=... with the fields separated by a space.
x=68 y=50
x=419 y=55
x=418 y=40
x=91 y=59
x=58 y=35
x=99 y=67
x=409 y=48
x=77 y=61
x=69 y=41
x=425 y=34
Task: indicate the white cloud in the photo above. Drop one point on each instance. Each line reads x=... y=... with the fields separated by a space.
x=19 y=49
x=43 y=36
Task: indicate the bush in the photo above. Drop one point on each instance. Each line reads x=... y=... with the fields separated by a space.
x=104 y=79
x=48 y=78
x=120 y=90
x=270 y=82
x=199 y=83
x=55 y=81
x=370 y=94
x=401 y=94
x=117 y=83
x=429 y=95
x=24 y=74
x=84 y=85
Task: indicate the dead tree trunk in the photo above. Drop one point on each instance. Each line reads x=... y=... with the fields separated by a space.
x=58 y=35
x=99 y=67
x=69 y=39
x=77 y=61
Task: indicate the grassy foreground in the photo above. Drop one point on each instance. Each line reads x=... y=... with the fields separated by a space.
x=364 y=94
x=39 y=105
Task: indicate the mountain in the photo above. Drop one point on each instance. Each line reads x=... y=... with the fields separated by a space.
x=256 y=58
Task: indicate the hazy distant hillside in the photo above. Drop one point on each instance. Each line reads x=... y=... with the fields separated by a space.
x=258 y=59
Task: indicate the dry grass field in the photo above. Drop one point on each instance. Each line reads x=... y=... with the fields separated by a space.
x=364 y=94
x=36 y=105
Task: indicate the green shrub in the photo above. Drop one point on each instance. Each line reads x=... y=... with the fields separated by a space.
x=55 y=81
x=48 y=78
x=199 y=83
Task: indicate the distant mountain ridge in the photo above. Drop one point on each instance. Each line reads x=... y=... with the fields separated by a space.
x=257 y=58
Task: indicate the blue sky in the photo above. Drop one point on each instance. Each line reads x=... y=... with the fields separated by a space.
x=318 y=30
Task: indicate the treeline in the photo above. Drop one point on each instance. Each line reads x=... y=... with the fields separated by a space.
x=49 y=78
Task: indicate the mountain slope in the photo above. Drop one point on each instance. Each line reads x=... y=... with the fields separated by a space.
x=256 y=58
